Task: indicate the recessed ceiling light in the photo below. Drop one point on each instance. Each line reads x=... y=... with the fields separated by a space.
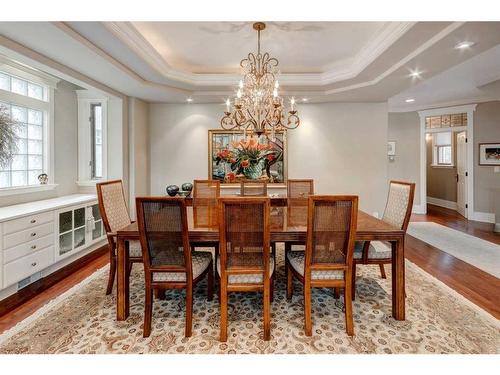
x=409 y=100
x=464 y=45
x=305 y=100
x=189 y=100
x=415 y=74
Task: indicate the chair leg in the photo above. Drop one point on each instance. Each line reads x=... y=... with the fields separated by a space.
x=382 y=271
x=348 y=310
x=129 y=269
x=289 y=281
x=112 y=272
x=307 y=309
x=148 y=312
x=336 y=293
x=159 y=294
x=189 y=310
x=267 y=308
x=210 y=282
x=271 y=291
x=223 y=311
x=353 y=282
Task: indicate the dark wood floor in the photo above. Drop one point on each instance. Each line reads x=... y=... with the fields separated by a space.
x=479 y=287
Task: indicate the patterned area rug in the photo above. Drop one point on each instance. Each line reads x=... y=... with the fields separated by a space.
x=438 y=321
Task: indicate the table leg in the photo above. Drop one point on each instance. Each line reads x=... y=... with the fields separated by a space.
x=398 y=279
x=122 y=281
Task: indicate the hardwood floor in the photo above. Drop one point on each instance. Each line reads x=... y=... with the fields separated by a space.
x=478 y=286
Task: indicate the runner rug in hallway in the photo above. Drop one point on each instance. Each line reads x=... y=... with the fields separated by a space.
x=482 y=254
x=438 y=321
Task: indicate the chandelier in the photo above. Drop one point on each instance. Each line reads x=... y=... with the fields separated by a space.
x=257 y=107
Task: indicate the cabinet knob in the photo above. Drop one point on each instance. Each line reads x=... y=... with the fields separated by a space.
x=33 y=234
x=33 y=221
x=33 y=247
x=33 y=264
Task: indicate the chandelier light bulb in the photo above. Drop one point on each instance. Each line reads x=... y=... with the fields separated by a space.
x=241 y=84
x=292 y=103
x=228 y=105
x=276 y=84
x=238 y=94
x=275 y=92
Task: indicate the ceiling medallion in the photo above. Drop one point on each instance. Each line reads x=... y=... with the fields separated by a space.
x=257 y=107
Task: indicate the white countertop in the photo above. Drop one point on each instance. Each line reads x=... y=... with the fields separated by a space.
x=19 y=210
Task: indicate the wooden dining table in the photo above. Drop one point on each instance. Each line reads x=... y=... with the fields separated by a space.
x=369 y=228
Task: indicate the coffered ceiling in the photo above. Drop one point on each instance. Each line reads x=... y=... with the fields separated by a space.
x=319 y=61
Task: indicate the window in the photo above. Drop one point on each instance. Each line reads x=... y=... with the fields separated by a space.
x=96 y=140
x=28 y=104
x=442 y=149
x=92 y=120
x=22 y=87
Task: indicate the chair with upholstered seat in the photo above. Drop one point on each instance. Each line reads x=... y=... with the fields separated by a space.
x=327 y=260
x=397 y=213
x=115 y=216
x=168 y=262
x=253 y=188
x=245 y=263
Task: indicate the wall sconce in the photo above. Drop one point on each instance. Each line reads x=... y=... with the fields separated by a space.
x=391 y=150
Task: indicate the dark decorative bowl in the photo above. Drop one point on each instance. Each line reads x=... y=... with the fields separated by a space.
x=187 y=186
x=184 y=193
x=172 y=190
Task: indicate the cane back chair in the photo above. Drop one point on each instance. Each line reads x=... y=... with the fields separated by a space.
x=327 y=260
x=115 y=216
x=254 y=188
x=168 y=262
x=397 y=213
x=245 y=262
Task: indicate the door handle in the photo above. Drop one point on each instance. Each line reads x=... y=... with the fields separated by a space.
x=457 y=177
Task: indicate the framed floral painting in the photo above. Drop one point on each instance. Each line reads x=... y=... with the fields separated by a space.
x=232 y=157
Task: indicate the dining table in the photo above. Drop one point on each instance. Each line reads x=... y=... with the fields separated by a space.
x=288 y=226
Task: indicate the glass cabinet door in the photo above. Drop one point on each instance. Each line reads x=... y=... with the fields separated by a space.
x=79 y=227
x=65 y=232
x=97 y=228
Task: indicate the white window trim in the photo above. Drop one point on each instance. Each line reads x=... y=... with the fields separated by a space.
x=48 y=108
x=84 y=147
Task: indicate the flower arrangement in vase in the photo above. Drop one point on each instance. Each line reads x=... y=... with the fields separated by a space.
x=249 y=159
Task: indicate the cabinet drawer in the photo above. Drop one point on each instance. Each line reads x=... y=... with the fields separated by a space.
x=18 y=238
x=27 y=222
x=28 y=265
x=27 y=248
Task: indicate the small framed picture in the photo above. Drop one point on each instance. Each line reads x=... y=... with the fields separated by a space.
x=489 y=154
x=391 y=148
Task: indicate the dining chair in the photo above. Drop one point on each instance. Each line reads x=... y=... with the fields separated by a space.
x=397 y=212
x=115 y=216
x=168 y=261
x=327 y=260
x=245 y=262
x=253 y=188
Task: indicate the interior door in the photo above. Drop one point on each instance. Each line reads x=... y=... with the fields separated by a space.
x=462 y=173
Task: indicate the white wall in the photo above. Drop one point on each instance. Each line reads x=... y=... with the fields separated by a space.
x=341 y=145
x=139 y=178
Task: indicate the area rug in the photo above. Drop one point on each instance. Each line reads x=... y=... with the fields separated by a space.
x=482 y=254
x=438 y=321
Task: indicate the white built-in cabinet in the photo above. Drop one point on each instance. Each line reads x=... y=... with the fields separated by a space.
x=41 y=235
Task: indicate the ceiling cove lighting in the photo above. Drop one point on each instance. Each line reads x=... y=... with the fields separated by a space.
x=464 y=45
x=410 y=100
x=257 y=107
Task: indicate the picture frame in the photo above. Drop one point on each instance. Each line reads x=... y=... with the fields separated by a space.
x=489 y=154
x=224 y=160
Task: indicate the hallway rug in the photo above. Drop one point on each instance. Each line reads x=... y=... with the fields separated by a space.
x=482 y=254
x=438 y=321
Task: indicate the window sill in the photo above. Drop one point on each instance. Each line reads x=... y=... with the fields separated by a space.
x=442 y=166
x=89 y=183
x=4 y=192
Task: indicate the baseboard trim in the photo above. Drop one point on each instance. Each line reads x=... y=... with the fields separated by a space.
x=485 y=217
x=442 y=203
x=15 y=300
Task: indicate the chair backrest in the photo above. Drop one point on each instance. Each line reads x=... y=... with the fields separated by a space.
x=205 y=194
x=331 y=231
x=112 y=205
x=298 y=191
x=254 y=188
x=399 y=204
x=244 y=234
x=163 y=229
